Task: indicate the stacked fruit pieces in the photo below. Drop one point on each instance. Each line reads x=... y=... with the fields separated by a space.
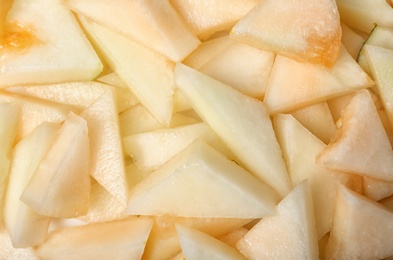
x=199 y=129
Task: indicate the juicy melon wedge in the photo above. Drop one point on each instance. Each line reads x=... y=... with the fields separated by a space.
x=289 y=234
x=43 y=43
x=240 y=121
x=362 y=228
x=361 y=144
x=207 y=178
x=198 y=245
x=118 y=240
x=305 y=30
x=60 y=186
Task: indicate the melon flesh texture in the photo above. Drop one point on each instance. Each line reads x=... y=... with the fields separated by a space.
x=34 y=112
x=240 y=121
x=293 y=84
x=118 y=240
x=206 y=177
x=362 y=229
x=44 y=44
x=163 y=241
x=360 y=145
x=9 y=118
x=60 y=186
x=155 y=24
x=25 y=226
x=8 y=251
x=380 y=61
x=135 y=64
x=303 y=30
x=106 y=151
x=289 y=234
x=198 y=245
x=300 y=147
x=207 y=17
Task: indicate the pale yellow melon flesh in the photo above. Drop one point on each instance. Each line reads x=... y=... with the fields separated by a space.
x=362 y=229
x=305 y=30
x=361 y=144
x=240 y=121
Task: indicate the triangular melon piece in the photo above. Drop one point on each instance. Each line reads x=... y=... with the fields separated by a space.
x=135 y=64
x=289 y=234
x=34 y=112
x=360 y=140
x=294 y=84
x=300 y=148
x=362 y=229
x=306 y=30
x=199 y=182
x=25 y=226
x=9 y=118
x=163 y=241
x=121 y=239
x=155 y=24
x=205 y=17
x=240 y=121
x=198 y=245
x=376 y=189
x=380 y=61
x=106 y=150
x=60 y=186
x=43 y=43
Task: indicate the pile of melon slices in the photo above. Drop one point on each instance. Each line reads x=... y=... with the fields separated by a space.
x=196 y=129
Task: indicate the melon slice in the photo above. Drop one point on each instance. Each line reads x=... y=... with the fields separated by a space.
x=60 y=186
x=380 y=61
x=300 y=148
x=25 y=226
x=206 y=17
x=289 y=234
x=360 y=140
x=9 y=118
x=198 y=245
x=240 y=121
x=362 y=229
x=106 y=150
x=155 y=24
x=293 y=84
x=304 y=30
x=118 y=240
x=135 y=64
x=207 y=178
x=43 y=43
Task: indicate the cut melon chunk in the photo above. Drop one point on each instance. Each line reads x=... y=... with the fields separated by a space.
x=300 y=148
x=118 y=240
x=240 y=121
x=318 y=119
x=381 y=60
x=60 y=186
x=34 y=112
x=135 y=64
x=106 y=150
x=364 y=14
x=362 y=229
x=25 y=226
x=36 y=51
x=293 y=84
x=198 y=245
x=305 y=30
x=206 y=17
x=360 y=145
x=208 y=179
x=377 y=189
x=289 y=234
x=163 y=241
x=351 y=40
x=155 y=24
x=9 y=118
